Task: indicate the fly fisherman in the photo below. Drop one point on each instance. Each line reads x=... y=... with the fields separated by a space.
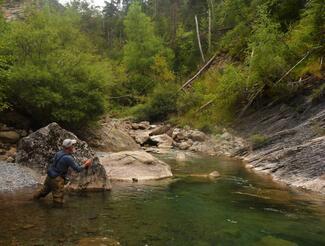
x=57 y=173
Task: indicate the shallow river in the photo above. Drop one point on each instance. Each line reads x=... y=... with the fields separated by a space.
x=240 y=208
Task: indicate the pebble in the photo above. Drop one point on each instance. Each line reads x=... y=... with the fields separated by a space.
x=13 y=177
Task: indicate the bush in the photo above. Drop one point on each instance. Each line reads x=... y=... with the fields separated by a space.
x=55 y=74
x=318 y=94
x=161 y=103
x=232 y=91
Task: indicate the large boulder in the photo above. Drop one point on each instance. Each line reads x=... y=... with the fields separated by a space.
x=134 y=165
x=109 y=136
x=140 y=136
x=37 y=150
x=196 y=135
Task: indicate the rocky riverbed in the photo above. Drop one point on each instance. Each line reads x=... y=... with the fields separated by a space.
x=15 y=177
x=277 y=140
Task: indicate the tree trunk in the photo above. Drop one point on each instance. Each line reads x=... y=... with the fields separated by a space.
x=198 y=38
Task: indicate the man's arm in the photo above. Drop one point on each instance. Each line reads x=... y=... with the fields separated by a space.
x=76 y=167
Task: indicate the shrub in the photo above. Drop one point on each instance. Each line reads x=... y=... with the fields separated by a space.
x=161 y=103
x=318 y=94
x=55 y=74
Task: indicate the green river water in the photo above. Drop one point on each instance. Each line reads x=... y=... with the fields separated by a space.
x=239 y=208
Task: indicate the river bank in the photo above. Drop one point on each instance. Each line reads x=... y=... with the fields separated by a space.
x=281 y=140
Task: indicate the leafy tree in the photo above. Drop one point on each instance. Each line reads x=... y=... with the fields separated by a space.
x=266 y=57
x=146 y=59
x=308 y=32
x=55 y=75
x=185 y=52
x=160 y=104
x=4 y=65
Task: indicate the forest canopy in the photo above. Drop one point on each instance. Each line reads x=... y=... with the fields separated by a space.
x=74 y=63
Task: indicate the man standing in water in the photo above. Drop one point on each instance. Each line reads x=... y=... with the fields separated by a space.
x=56 y=174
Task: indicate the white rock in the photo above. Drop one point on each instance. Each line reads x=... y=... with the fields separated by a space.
x=135 y=165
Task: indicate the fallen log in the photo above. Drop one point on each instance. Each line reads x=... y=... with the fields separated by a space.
x=206 y=66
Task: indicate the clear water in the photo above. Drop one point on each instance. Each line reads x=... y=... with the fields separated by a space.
x=240 y=208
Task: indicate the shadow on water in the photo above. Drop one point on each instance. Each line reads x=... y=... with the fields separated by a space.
x=239 y=208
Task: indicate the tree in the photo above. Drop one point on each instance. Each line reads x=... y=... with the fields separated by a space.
x=4 y=65
x=144 y=52
x=266 y=57
x=55 y=74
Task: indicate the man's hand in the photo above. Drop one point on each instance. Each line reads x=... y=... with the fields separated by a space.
x=87 y=163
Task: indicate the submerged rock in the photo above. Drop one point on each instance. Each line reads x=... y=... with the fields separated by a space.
x=180 y=156
x=139 y=165
x=37 y=150
x=98 y=241
x=214 y=174
x=271 y=241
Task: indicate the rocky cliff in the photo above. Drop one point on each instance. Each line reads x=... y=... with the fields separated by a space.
x=288 y=141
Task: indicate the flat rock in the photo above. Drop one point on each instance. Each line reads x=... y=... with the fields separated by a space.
x=134 y=165
x=37 y=150
x=98 y=241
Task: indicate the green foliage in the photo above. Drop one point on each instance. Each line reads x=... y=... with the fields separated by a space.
x=231 y=92
x=160 y=105
x=55 y=75
x=318 y=128
x=4 y=66
x=258 y=141
x=54 y=67
x=306 y=36
x=232 y=12
x=318 y=93
x=185 y=51
x=236 y=40
x=308 y=32
x=267 y=50
x=146 y=59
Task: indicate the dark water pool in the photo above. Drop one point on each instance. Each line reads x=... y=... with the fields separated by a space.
x=240 y=208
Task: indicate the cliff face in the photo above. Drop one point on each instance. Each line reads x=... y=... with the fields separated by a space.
x=289 y=141
x=14 y=9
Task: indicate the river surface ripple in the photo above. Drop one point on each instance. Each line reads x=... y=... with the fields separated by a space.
x=239 y=208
